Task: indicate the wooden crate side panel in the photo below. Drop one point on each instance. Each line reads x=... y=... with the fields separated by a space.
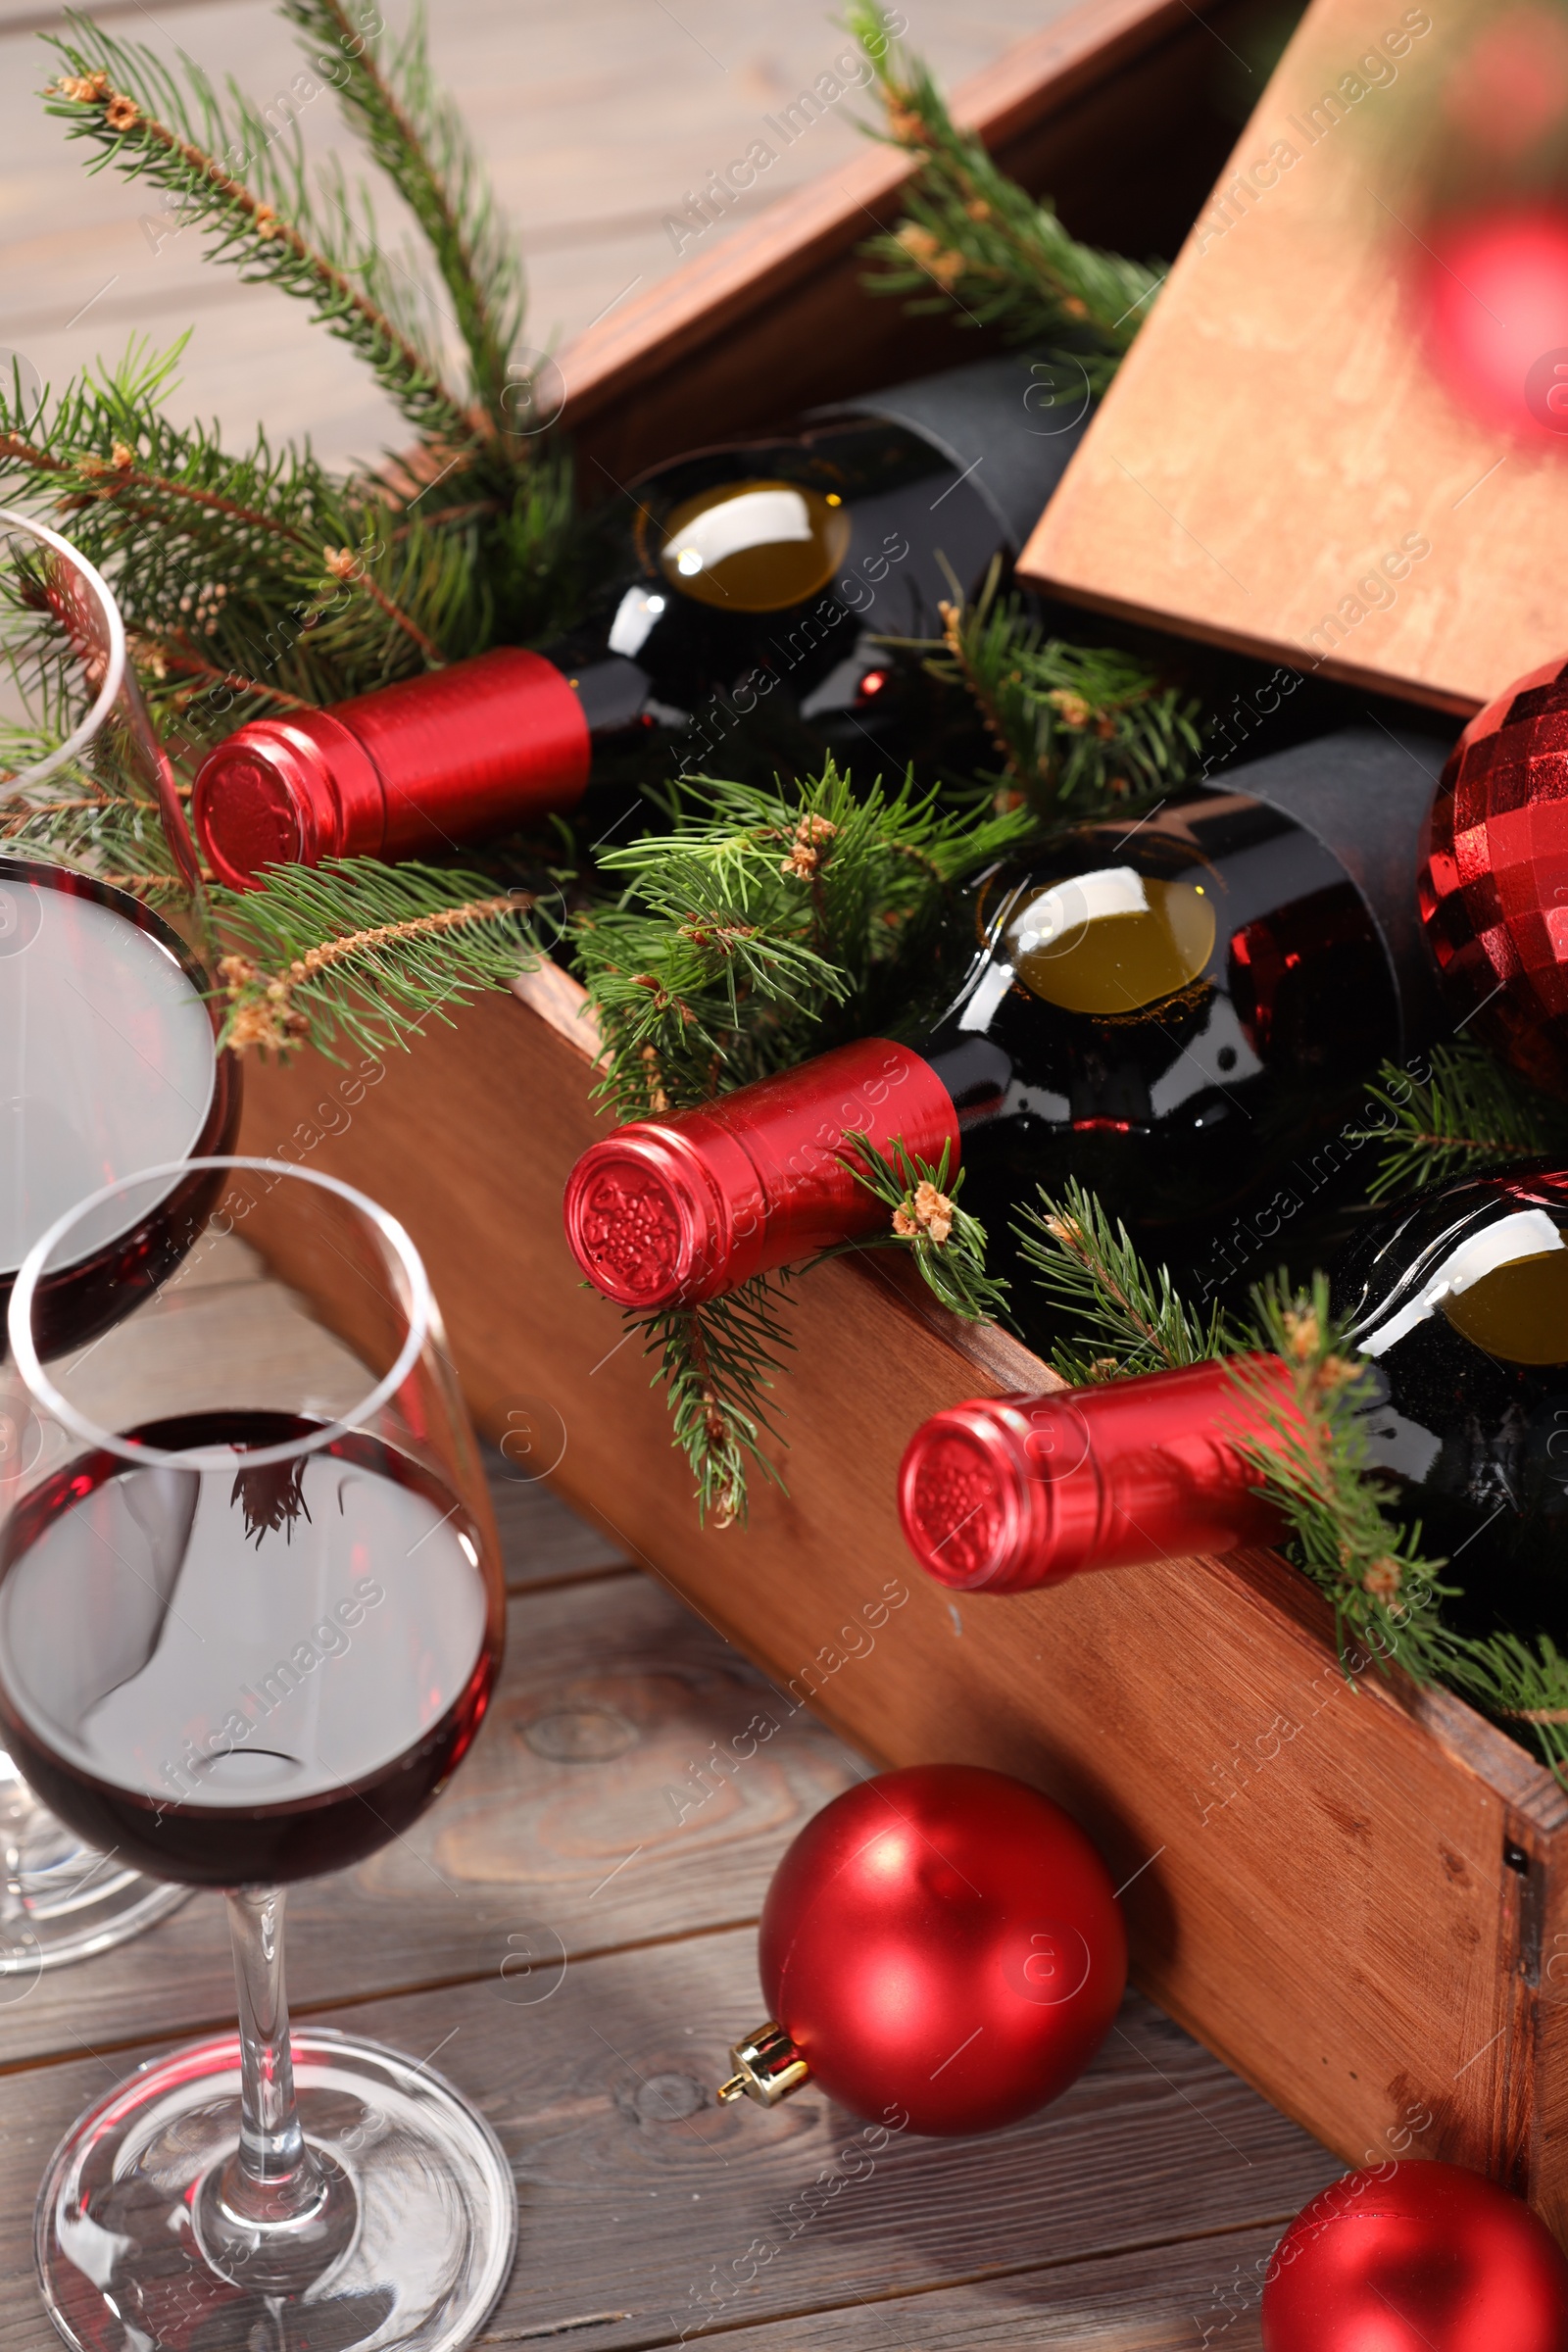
x=1293 y=1850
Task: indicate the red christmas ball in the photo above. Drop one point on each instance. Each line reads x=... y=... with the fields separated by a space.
x=1493 y=296
x=942 y=1944
x=1494 y=879
x=1416 y=2258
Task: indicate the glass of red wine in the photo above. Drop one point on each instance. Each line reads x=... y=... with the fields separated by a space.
x=251 y=1613
x=109 y=1061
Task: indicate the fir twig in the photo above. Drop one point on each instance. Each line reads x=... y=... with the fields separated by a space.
x=361 y=950
x=1472 y=1114
x=716 y=1365
x=244 y=184
x=946 y=1244
x=1121 y=1319
x=764 y=915
x=1316 y=1466
x=1079 y=728
x=416 y=136
x=974 y=243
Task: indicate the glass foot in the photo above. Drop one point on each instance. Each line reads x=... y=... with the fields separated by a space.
x=434 y=2227
x=61 y=1900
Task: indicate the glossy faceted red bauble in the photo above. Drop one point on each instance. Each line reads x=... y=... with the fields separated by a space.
x=1416 y=2258
x=1493 y=880
x=1494 y=300
x=944 y=1944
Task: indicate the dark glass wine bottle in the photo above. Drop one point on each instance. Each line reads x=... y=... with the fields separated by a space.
x=1458 y=1302
x=1166 y=1010
x=737 y=634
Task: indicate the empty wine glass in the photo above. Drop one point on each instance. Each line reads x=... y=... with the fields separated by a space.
x=251 y=1613
x=107 y=1062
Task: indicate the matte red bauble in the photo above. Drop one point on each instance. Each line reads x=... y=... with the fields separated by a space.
x=1494 y=878
x=941 y=1949
x=1416 y=2258
x=1494 y=303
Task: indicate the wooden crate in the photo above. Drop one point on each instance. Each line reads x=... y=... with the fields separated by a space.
x=1360 y=1898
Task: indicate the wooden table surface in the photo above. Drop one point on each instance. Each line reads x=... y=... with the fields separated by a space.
x=575 y=1949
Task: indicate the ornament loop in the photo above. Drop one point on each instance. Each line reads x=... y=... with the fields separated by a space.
x=767 y=2068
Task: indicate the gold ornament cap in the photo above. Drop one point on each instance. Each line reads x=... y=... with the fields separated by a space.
x=767 y=2068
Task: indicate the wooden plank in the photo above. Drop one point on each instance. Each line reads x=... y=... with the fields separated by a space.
x=1295 y=1851
x=639 y=2199
x=559 y=1831
x=1278 y=431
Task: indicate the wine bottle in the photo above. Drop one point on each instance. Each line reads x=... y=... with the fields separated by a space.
x=736 y=633
x=1166 y=1009
x=109 y=1064
x=1458 y=1303
x=1001 y=1495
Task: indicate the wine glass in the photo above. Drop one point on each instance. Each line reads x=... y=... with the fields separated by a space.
x=251 y=1613
x=107 y=1062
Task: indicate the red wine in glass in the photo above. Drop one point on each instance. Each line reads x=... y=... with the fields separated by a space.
x=109 y=1063
x=318 y=1712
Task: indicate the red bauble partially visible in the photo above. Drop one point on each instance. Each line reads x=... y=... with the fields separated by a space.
x=1494 y=299
x=1416 y=2258
x=943 y=1942
x=1494 y=878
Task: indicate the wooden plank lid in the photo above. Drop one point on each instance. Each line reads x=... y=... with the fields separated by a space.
x=1279 y=466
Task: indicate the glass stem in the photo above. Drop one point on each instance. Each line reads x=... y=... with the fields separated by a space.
x=273 y=2158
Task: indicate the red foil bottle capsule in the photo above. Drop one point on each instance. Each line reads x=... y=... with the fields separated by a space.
x=671 y=1211
x=474 y=749
x=1002 y=1493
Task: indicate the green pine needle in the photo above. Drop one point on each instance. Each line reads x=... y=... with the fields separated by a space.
x=975 y=244
x=1125 y=1319
x=415 y=135
x=716 y=1364
x=356 y=950
x=1079 y=728
x=222 y=167
x=767 y=925
x=1469 y=1116
x=946 y=1242
x=1316 y=1468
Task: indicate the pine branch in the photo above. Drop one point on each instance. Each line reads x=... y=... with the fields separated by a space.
x=361 y=951
x=1471 y=1115
x=419 y=139
x=1079 y=728
x=716 y=1364
x=743 y=938
x=1123 y=1319
x=243 y=183
x=1525 y=1688
x=1385 y=1594
x=946 y=1244
x=973 y=242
